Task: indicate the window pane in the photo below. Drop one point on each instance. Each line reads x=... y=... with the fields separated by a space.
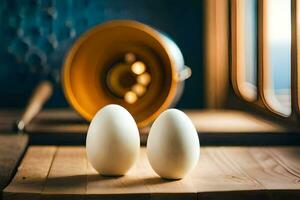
x=250 y=41
x=246 y=44
x=279 y=55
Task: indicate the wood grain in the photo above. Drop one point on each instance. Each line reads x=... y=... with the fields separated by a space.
x=218 y=171
x=216 y=52
x=40 y=95
x=65 y=127
x=129 y=186
x=160 y=188
x=278 y=175
x=31 y=176
x=230 y=121
x=67 y=175
x=222 y=173
x=12 y=148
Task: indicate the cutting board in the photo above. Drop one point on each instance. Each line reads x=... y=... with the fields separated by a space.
x=12 y=148
x=60 y=172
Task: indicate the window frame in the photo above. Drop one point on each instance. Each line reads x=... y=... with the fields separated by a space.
x=265 y=101
x=237 y=48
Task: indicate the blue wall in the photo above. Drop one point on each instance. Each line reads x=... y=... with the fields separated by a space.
x=36 y=34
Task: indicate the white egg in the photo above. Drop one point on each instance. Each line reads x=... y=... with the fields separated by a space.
x=113 y=141
x=173 y=147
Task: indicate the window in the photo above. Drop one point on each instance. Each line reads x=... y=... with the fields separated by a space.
x=278 y=56
x=244 y=72
x=261 y=60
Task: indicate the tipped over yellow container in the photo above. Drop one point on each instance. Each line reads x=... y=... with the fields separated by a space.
x=127 y=63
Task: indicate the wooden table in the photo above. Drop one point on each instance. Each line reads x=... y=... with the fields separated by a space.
x=215 y=127
x=60 y=172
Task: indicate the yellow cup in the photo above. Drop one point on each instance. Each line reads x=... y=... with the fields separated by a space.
x=127 y=63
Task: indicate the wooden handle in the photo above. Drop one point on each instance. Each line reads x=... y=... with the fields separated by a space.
x=39 y=97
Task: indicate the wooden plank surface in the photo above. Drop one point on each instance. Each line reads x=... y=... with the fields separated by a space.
x=222 y=173
x=65 y=127
x=124 y=187
x=68 y=121
x=32 y=174
x=67 y=175
x=12 y=148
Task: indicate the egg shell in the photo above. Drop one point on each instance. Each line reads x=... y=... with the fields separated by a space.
x=113 y=141
x=173 y=147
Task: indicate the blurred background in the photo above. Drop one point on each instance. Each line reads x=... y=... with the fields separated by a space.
x=35 y=36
